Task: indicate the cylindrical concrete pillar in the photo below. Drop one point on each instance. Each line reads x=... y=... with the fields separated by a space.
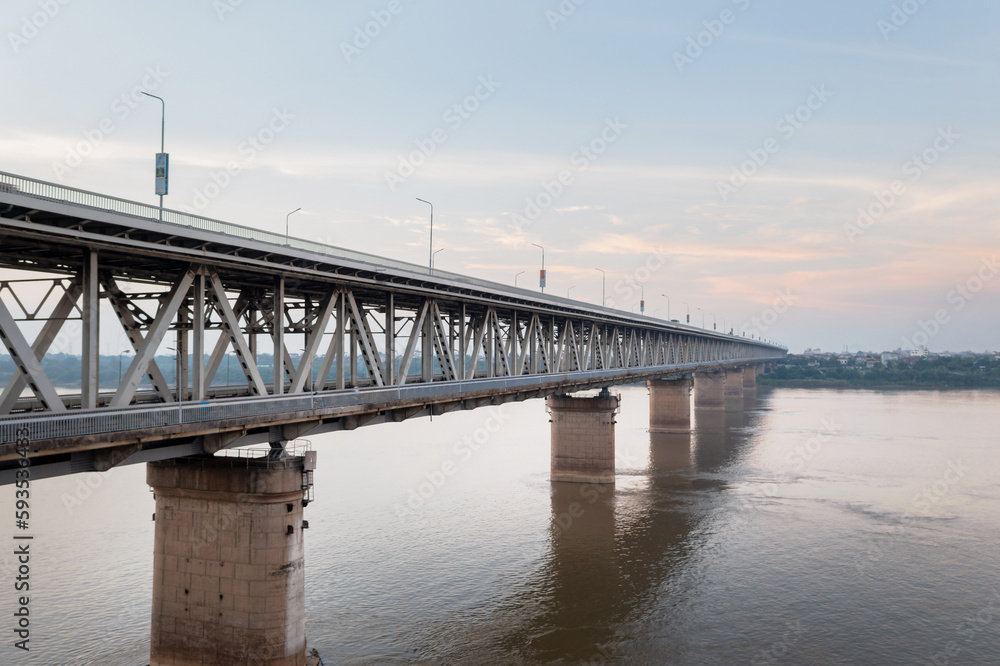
x=708 y=390
x=228 y=568
x=583 y=438
x=669 y=405
x=750 y=377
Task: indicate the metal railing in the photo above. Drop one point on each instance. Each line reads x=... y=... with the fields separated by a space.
x=60 y=193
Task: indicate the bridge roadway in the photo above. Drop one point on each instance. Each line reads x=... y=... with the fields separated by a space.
x=393 y=340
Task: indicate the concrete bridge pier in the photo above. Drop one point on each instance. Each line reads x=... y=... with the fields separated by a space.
x=733 y=391
x=228 y=567
x=709 y=390
x=583 y=438
x=750 y=373
x=669 y=405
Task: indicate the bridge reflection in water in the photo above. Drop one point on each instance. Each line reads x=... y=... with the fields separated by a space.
x=622 y=560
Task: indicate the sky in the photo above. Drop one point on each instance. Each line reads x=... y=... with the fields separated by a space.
x=821 y=174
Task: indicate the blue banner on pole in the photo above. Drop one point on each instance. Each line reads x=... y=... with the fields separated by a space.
x=162 y=172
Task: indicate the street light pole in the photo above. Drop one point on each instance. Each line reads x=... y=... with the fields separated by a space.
x=702 y=317
x=569 y=290
x=515 y=277
x=642 y=299
x=430 y=250
x=434 y=254
x=687 y=312
x=541 y=276
x=286 y=223
x=668 y=305
x=604 y=280
x=163 y=133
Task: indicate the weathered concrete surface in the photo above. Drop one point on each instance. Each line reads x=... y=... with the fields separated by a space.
x=228 y=567
x=709 y=390
x=733 y=391
x=583 y=438
x=750 y=376
x=669 y=405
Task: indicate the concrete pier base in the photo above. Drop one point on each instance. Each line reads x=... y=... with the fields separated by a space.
x=750 y=377
x=228 y=568
x=733 y=391
x=583 y=438
x=669 y=405
x=709 y=390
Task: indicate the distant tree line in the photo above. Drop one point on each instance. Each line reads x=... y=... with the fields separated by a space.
x=937 y=372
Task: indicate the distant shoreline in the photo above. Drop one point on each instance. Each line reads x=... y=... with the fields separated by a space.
x=845 y=384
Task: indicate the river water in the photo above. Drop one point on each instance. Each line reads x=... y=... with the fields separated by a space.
x=815 y=527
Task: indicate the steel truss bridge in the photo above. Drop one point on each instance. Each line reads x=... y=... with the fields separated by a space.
x=392 y=340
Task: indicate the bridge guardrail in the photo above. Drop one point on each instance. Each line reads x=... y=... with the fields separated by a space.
x=60 y=193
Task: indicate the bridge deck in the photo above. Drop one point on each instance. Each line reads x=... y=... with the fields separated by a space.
x=411 y=339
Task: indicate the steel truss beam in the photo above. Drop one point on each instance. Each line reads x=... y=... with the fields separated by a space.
x=455 y=340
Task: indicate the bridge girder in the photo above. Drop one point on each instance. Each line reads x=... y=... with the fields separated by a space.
x=217 y=291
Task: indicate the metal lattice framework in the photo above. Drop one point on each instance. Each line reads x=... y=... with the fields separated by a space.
x=333 y=320
x=358 y=341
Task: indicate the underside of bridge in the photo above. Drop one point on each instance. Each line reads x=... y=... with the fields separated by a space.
x=267 y=330
x=323 y=339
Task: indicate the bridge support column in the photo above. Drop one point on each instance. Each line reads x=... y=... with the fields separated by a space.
x=228 y=568
x=709 y=390
x=583 y=438
x=734 y=388
x=750 y=377
x=669 y=405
